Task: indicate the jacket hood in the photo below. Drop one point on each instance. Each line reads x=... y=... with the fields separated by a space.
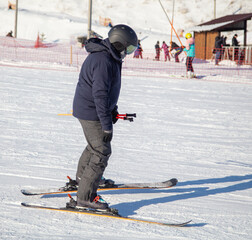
x=189 y=42
x=98 y=45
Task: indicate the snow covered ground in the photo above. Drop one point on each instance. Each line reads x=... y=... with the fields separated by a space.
x=197 y=131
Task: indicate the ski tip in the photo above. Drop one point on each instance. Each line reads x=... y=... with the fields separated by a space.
x=184 y=224
x=23 y=191
x=27 y=193
x=174 y=181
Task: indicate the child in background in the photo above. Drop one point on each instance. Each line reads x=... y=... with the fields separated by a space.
x=157 y=48
x=190 y=51
x=166 y=51
x=138 y=52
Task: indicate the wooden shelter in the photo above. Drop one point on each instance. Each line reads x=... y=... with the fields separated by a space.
x=206 y=33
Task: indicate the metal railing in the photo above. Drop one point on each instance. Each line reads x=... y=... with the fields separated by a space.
x=241 y=54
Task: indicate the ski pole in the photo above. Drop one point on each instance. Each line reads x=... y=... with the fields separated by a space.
x=126 y=116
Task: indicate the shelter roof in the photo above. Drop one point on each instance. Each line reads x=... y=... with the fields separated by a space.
x=226 y=23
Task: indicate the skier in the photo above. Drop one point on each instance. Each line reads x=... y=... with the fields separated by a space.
x=190 y=51
x=138 y=51
x=166 y=51
x=218 y=49
x=9 y=34
x=157 y=48
x=95 y=106
x=110 y=24
x=178 y=50
x=236 y=44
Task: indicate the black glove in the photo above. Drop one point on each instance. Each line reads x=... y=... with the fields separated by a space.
x=107 y=136
x=114 y=114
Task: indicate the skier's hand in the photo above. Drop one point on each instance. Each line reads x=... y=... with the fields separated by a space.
x=107 y=136
x=114 y=114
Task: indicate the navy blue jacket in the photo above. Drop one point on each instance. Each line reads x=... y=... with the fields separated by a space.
x=99 y=84
x=218 y=42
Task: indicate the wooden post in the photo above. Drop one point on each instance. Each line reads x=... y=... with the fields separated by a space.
x=16 y=20
x=214 y=9
x=245 y=34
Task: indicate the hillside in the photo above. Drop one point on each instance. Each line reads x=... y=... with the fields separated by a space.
x=196 y=130
x=67 y=19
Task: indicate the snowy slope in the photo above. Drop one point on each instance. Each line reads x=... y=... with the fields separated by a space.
x=67 y=19
x=197 y=131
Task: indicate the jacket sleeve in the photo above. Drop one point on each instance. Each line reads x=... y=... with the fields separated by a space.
x=102 y=75
x=186 y=50
x=233 y=41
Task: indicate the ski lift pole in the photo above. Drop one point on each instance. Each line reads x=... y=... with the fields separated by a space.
x=170 y=22
x=89 y=19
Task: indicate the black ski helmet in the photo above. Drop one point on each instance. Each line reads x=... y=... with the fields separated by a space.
x=123 y=38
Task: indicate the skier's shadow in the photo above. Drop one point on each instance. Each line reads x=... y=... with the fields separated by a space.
x=129 y=208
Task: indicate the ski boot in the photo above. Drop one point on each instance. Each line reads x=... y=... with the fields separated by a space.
x=97 y=205
x=72 y=185
x=106 y=183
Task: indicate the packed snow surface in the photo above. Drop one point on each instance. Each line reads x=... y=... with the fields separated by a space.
x=197 y=131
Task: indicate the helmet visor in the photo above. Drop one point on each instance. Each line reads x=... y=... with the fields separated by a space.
x=130 y=49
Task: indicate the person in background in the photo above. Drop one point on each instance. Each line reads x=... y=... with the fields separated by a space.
x=225 y=50
x=166 y=51
x=110 y=24
x=213 y=54
x=95 y=106
x=225 y=44
x=235 y=43
x=190 y=52
x=138 y=51
x=178 y=50
x=218 y=49
x=9 y=34
x=157 y=48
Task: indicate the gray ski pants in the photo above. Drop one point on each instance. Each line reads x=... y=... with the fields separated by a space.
x=93 y=160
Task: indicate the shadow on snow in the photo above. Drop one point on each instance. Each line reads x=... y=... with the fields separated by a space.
x=187 y=193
